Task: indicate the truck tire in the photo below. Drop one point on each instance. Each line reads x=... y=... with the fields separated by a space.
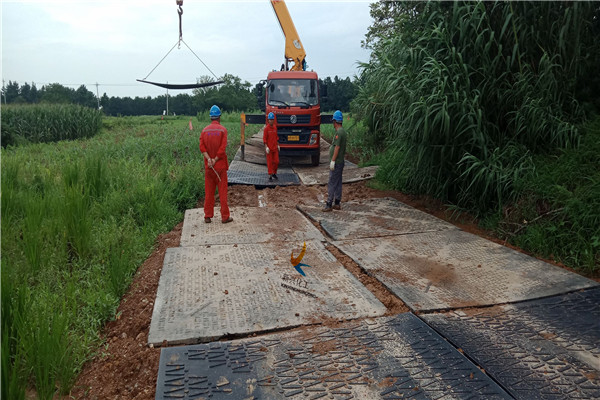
x=315 y=159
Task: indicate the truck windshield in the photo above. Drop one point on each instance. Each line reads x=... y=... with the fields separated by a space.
x=292 y=92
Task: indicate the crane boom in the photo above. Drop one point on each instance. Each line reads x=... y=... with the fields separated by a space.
x=294 y=51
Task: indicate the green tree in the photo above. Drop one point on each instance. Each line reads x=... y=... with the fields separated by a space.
x=340 y=92
x=11 y=92
x=232 y=95
x=84 y=97
x=29 y=93
x=57 y=93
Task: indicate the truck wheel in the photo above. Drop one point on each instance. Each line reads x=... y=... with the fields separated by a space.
x=315 y=158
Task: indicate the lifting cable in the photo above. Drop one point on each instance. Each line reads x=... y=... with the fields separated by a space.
x=178 y=44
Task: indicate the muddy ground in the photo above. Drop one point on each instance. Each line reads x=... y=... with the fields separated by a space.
x=124 y=367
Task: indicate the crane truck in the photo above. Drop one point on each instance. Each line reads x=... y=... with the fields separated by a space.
x=293 y=95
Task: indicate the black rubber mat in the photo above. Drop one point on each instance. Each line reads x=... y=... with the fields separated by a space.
x=540 y=349
x=245 y=173
x=386 y=358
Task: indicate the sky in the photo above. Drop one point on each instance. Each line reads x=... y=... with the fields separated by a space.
x=112 y=43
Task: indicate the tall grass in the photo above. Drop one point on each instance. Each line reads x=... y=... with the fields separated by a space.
x=78 y=218
x=359 y=144
x=557 y=212
x=465 y=93
x=42 y=123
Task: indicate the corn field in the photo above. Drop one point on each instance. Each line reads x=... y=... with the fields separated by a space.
x=463 y=94
x=48 y=123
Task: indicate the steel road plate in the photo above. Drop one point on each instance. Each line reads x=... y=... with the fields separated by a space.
x=383 y=358
x=250 y=225
x=373 y=218
x=453 y=269
x=215 y=291
x=541 y=349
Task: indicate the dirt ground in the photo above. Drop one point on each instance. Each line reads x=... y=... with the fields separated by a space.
x=126 y=368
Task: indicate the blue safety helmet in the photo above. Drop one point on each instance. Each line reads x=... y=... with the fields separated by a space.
x=337 y=116
x=215 y=112
x=271 y=116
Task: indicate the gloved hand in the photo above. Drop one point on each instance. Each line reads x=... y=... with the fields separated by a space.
x=267 y=150
x=278 y=148
x=332 y=165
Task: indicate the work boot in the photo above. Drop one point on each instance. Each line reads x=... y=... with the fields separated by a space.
x=275 y=177
x=337 y=206
x=327 y=207
x=228 y=220
x=271 y=178
x=207 y=220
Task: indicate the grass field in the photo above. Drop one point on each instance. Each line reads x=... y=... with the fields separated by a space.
x=78 y=218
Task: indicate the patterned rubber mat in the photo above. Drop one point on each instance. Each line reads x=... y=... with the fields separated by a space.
x=373 y=218
x=385 y=358
x=214 y=291
x=454 y=269
x=245 y=173
x=250 y=225
x=541 y=349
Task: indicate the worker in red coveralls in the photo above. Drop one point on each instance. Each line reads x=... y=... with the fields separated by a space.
x=213 y=142
x=271 y=141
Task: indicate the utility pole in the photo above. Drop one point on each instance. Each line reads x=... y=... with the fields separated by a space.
x=167 y=99
x=97 y=97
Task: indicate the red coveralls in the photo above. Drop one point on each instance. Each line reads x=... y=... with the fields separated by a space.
x=213 y=140
x=271 y=140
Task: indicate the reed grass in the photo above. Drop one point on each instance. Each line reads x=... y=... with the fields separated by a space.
x=464 y=104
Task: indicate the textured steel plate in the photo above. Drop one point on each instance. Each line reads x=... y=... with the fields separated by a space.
x=384 y=358
x=373 y=218
x=454 y=269
x=541 y=349
x=320 y=175
x=245 y=173
x=250 y=225
x=208 y=292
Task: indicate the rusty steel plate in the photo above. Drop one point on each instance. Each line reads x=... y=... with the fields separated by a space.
x=373 y=218
x=454 y=269
x=540 y=349
x=383 y=358
x=245 y=173
x=209 y=292
x=250 y=225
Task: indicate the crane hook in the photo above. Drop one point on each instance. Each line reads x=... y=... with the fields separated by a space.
x=180 y=12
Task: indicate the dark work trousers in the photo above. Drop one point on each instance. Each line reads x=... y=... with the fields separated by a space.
x=334 y=186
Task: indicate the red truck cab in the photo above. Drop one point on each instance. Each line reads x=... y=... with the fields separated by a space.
x=293 y=96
